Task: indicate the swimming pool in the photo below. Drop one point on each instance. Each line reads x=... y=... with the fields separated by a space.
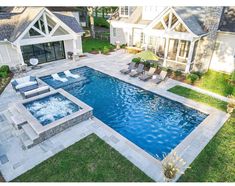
x=154 y=123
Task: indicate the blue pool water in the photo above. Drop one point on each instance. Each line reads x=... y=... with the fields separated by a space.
x=152 y=122
x=51 y=108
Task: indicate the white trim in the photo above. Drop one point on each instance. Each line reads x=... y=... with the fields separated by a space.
x=37 y=30
x=54 y=29
x=175 y=25
x=29 y=27
x=45 y=23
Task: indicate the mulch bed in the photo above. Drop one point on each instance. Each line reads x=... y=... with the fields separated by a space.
x=4 y=82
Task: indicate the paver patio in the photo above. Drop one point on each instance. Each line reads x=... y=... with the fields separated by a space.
x=15 y=160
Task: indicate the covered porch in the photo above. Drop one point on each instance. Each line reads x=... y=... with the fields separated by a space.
x=176 y=51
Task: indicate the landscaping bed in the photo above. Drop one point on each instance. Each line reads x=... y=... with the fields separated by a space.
x=89 y=160
x=5 y=77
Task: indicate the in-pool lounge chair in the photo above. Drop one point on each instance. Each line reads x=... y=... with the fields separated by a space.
x=129 y=69
x=138 y=71
x=160 y=78
x=147 y=75
x=69 y=74
x=58 y=78
x=25 y=83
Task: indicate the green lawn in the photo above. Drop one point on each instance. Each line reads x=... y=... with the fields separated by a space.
x=89 y=160
x=90 y=44
x=216 y=82
x=202 y=98
x=216 y=162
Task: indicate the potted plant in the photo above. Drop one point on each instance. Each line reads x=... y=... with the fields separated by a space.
x=171 y=166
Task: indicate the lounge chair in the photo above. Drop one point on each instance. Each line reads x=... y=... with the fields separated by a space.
x=36 y=92
x=25 y=83
x=129 y=69
x=160 y=78
x=58 y=78
x=69 y=74
x=147 y=74
x=138 y=71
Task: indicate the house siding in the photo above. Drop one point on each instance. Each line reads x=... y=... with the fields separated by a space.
x=8 y=55
x=223 y=58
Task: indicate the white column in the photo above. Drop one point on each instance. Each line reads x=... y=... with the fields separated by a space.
x=190 y=56
x=19 y=52
x=74 y=46
x=178 y=50
x=166 y=51
x=45 y=23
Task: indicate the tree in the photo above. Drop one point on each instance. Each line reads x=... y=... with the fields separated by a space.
x=90 y=11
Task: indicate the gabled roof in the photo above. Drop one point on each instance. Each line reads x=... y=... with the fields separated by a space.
x=193 y=17
x=227 y=21
x=12 y=25
x=69 y=20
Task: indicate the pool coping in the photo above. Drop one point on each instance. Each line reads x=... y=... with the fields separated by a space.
x=36 y=125
x=188 y=148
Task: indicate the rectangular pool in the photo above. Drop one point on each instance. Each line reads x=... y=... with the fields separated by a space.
x=154 y=123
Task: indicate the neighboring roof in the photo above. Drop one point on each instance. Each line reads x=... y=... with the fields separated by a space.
x=227 y=21
x=62 y=9
x=193 y=17
x=12 y=24
x=69 y=20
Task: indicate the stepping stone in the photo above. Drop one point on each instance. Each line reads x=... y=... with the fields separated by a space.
x=3 y=159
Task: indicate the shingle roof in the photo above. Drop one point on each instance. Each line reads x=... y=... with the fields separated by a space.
x=227 y=21
x=13 y=24
x=193 y=17
x=69 y=20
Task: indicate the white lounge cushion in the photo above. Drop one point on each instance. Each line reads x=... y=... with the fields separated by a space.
x=26 y=84
x=23 y=80
x=37 y=90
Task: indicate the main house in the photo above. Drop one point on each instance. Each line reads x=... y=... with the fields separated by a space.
x=27 y=32
x=183 y=37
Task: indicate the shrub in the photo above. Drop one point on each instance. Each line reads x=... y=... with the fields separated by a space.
x=200 y=74
x=192 y=77
x=3 y=74
x=123 y=46
x=5 y=68
x=154 y=65
x=105 y=50
x=232 y=77
x=169 y=71
x=147 y=64
x=177 y=73
x=136 y=60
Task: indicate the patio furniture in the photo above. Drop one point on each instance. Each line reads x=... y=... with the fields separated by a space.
x=160 y=78
x=25 y=83
x=147 y=75
x=138 y=71
x=69 y=74
x=34 y=63
x=36 y=92
x=128 y=70
x=70 y=55
x=58 y=78
x=133 y=50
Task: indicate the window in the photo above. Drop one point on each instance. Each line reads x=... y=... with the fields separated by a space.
x=114 y=32
x=124 y=11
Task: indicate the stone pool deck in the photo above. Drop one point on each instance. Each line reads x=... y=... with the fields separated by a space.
x=14 y=160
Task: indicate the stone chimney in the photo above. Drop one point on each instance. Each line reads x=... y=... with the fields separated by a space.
x=211 y=23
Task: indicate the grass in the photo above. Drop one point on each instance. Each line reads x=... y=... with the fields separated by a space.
x=216 y=82
x=216 y=162
x=89 y=160
x=90 y=44
x=199 y=97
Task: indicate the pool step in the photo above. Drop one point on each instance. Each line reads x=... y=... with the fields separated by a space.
x=27 y=142
x=30 y=132
x=15 y=117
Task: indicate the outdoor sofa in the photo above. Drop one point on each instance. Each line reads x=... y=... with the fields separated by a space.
x=25 y=83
